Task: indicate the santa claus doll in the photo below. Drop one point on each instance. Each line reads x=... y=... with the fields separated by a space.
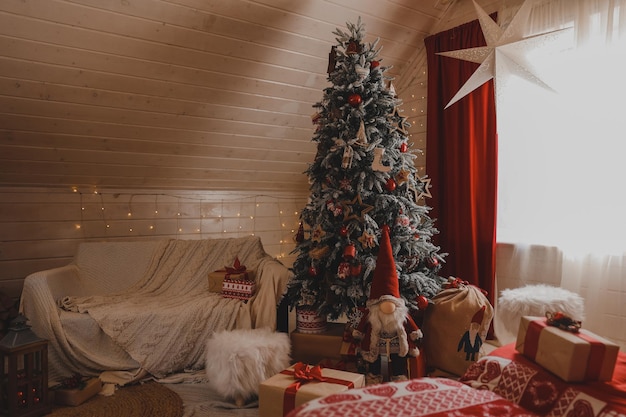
x=387 y=332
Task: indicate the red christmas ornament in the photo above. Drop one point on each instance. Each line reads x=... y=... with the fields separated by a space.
x=355 y=270
x=404 y=147
x=422 y=302
x=312 y=271
x=433 y=261
x=349 y=252
x=343 y=231
x=391 y=184
x=374 y=64
x=354 y=99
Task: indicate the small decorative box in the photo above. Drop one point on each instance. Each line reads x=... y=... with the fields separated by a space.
x=300 y=383
x=241 y=289
x=233 y=282
x=574 y=357
x=77 y=396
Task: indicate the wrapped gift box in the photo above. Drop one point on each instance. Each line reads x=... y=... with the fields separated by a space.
x=239 y=288
x=77 y=396
x=312 y=348
x=280 y=394
x=233 y=282
x=575 y=357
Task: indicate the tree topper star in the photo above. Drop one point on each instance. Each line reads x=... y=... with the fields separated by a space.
x=505 y=53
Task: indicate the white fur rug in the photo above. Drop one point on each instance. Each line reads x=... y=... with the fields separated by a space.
x=533 y=300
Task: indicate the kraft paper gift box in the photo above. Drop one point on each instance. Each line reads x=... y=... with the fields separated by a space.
x=313 y=347
x=283 y=392
x=574 y=357
x=77 y=396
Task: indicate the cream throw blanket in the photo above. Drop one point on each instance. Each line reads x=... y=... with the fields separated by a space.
x=164 y=320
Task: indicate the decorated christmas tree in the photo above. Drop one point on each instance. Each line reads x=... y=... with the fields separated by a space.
x=363 y=177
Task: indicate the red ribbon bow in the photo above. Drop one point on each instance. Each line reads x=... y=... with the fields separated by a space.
x=306 y=373
x=236 y=269
x=303 y=374
x=455 y=283
x=459 y=283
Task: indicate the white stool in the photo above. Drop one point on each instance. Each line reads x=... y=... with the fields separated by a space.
x=237 y=361
x=532 y=300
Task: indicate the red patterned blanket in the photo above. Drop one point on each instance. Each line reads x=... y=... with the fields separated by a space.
x=436 y=397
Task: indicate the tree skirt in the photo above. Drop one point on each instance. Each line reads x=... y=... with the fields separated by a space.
x=148 y=399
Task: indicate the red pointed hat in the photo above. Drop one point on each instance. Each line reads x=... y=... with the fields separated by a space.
x=479 y=315
x=385 y=281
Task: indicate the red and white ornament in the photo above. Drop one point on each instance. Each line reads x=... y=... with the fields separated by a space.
x=403 y=220
x=343 y=271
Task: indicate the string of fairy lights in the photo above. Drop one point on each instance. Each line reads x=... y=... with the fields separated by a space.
x=236 y=215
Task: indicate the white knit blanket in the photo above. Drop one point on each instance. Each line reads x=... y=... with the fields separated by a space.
x=164 y=320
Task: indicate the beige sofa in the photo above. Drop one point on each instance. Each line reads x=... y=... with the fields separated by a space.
x=130 y=309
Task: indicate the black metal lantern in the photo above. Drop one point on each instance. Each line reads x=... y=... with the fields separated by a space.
x=23 y=372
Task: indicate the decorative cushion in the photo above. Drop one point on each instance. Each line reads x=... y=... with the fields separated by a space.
x=532 y=300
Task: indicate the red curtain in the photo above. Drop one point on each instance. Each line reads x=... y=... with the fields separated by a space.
x=461 y=160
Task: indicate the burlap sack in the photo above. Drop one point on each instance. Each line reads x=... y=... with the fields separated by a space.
x=455 y=327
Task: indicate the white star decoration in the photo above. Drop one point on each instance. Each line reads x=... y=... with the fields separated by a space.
x=504 y=55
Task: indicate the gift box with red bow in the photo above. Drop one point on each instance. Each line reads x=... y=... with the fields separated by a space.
x=574 y=356
x=300 y=383
x=233 y=282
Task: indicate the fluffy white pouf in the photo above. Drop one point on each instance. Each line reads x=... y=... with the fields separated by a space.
x=237 y=361
x=532 y=300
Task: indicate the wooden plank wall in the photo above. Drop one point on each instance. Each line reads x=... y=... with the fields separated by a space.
x=41 y=228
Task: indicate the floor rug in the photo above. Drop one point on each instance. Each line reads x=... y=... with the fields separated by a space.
x=140 y=400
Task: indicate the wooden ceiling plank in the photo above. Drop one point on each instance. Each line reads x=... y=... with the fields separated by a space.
x=142 y=118
x=247 y=150
x=47 y=125
x=233 y=183
x=130 y=103
x=223 y=158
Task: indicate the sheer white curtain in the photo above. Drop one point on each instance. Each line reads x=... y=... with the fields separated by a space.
x=562 y=160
